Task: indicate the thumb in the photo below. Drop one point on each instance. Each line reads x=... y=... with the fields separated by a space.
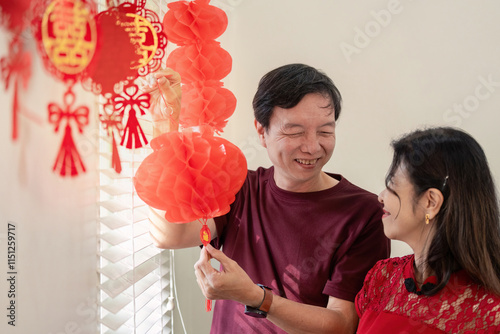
x=217 y=254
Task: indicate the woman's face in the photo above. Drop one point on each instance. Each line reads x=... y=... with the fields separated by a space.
x=404 y=214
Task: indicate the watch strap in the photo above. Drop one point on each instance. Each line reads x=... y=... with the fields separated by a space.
x=265 y=305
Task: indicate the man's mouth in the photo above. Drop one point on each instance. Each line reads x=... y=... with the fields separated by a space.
x=307 y=161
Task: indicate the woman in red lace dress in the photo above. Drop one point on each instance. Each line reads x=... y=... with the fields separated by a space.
x=440 y=199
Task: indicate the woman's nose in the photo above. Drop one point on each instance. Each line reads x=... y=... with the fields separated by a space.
x=381 y=196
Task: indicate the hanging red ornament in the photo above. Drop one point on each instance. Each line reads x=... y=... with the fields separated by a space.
x=211 y=105
x=111 y=121
x=16 y=67
x=68 y=37
x=191 y=174
x=68 y=159
x=146 y=32
x=13 y=14
x=132 y=101
x=200 y=62
x=109 y=67
x=138 y=34
x=187 y=22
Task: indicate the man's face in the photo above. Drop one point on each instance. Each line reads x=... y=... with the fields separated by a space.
x=299 y=142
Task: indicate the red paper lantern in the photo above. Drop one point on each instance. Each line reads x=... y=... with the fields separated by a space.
x=200 y=62
x=187 y=22
x=211 y=105
x=191 y=174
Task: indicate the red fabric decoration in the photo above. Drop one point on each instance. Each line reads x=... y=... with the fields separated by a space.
x=152 y=38
x=16 y=66
x=187 y=22
x=191 y=174
x=138 y=34
x=67 y=38
x=115 y=157
x=13 y=14
x=111 y=121
x=131 y=101
x=211 y=105
x=109 y=67
x=68 y=159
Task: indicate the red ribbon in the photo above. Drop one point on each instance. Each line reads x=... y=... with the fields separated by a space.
x=205 y=237
x=110 y=121
x=80 y=115
x=68 y=158
x=132 y=101
x=16 y=65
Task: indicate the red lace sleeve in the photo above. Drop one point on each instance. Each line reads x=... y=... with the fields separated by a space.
x=386 y=304
x=373 y=285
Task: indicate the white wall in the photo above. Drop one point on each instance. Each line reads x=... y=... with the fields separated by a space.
x=415 y=66
x=423 y=61
x=55 y=237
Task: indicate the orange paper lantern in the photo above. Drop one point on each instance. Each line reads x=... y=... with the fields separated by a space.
x=191 y=174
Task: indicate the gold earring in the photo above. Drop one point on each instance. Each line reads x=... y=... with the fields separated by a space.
x=426 y=219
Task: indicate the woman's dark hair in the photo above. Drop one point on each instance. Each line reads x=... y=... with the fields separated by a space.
x=285 y=87
x=467 y=227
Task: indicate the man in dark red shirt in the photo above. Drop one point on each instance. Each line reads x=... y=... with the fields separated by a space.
x=297 y=242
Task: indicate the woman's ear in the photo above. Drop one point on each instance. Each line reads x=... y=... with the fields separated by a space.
x=261 y=132
x=433 y=200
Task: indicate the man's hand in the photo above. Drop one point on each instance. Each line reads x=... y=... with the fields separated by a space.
x=165 y=106
x=232 y=282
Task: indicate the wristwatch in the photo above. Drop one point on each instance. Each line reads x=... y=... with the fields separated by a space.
x=261 y=310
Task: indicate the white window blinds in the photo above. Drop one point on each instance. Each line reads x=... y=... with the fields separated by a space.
x=134 y=275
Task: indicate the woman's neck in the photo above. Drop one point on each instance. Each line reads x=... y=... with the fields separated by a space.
x=422 y=269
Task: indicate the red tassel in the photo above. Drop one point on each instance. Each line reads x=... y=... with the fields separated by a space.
x=133 y=132
x=115 y=157
x=15 y=109
x=205 y=238
x=68 y=158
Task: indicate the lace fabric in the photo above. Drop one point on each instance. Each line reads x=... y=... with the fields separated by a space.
x=461 y=307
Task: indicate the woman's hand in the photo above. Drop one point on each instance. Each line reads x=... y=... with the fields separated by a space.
x=165 y=103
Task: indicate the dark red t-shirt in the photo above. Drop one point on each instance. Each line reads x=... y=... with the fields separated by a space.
x=305 y=246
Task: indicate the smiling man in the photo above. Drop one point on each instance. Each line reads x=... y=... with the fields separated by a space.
x=297 y=242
